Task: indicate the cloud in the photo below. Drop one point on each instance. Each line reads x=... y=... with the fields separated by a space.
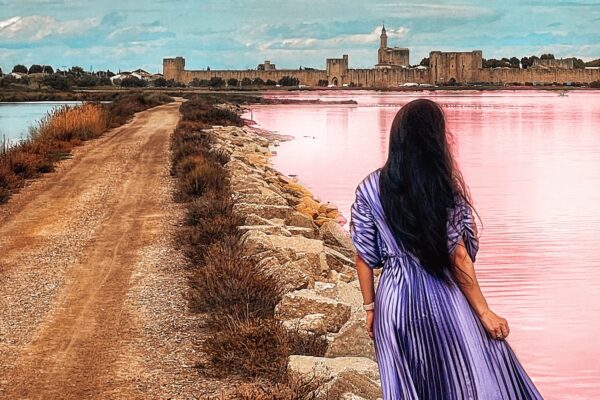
x=420 y=10
x=339 y=41
x=144 y=32
x=37 y=27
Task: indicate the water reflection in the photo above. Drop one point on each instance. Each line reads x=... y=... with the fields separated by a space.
x=16 y=118
x=532 y=161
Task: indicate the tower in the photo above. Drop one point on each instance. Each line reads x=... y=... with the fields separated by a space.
x=383 y=38
x=173 y=68
x=390 y=57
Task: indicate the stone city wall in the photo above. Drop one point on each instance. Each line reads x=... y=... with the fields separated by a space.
x=310 y=78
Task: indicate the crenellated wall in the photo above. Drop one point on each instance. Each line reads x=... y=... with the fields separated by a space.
x=310 y=77
x=387 y=77
x=459 y=67
x=533 y=75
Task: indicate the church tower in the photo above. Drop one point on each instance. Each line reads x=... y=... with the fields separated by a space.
x=383 y=38
x=390 y=57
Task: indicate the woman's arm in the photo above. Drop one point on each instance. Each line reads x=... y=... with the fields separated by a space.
x=367 y=288
x=465 y=276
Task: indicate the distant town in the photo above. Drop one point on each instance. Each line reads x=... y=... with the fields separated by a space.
x=392 y=69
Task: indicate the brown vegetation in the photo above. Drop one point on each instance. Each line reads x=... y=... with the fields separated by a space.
x=59 y=131
x=241 y=336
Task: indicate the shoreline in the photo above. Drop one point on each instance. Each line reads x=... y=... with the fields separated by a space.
x=20 y=95
x=269 y=262
x=301 y=241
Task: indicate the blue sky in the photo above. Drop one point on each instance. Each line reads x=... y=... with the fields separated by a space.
x=241 y=33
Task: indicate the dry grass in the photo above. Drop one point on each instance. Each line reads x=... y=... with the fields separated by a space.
x=127 y=104
x=241 y=336
x=250 y=348
x=228 y=283
x=66 y=124
x=293 y=387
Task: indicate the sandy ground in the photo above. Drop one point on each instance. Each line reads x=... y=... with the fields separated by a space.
x=92 y=290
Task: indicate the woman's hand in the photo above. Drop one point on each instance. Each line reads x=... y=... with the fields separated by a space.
x=495 y=325
x=369 y=324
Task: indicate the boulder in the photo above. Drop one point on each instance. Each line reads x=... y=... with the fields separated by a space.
x=296 y=218
x=352 y=340
x=333 y=234
x=295 y=189
x=266 y=196
x=269 y=229
x=299 y=231
x=320 y=220
x=351 y=396
x=262 y=210
x=289 y=274
x=307 y=254
x=326 y=289
x=311 y=323
x=358 y=376
x=304 y=302
x=350 y=293
x=308 y=206
x=337 y=260
x=253 y=219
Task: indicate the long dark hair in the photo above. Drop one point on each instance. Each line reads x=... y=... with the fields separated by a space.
x=420 y=182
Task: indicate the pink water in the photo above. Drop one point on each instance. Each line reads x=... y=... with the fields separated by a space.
x=532 y=161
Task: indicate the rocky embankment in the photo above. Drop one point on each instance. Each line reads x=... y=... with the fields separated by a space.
x=301 y=241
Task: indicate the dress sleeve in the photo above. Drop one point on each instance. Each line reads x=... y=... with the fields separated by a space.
x=461 y=225
x=363 y=231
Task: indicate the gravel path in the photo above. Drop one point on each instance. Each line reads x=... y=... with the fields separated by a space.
x=92 y=290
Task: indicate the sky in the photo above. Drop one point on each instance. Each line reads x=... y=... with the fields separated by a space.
x=239 y=34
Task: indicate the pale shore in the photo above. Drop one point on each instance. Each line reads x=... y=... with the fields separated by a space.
x=301 y=241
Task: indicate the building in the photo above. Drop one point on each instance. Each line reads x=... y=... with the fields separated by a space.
x=393 y=70
x=563 y=63
x=390 y=57
x=337 y=70
x=454 y=67
x=266 y=66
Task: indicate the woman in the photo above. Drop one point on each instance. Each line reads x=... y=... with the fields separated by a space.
x=435 y=336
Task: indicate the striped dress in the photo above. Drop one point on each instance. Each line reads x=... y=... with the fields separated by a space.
x=429 y=342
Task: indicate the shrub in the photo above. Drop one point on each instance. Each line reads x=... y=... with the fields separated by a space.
x=211 y=206
x=232 y=82
x=246 y=82
x=25 y=165
x=258 y=81
x=20 y=68
x=216 y=81
x=8 y=180
x=293 y=387
x=228 y=283
x=160 y=82
x=289 y=81
x=127 y=104
x=56 y=82
x=204 y=176
x=251 y=348
x=132 y=81
x=65 y=123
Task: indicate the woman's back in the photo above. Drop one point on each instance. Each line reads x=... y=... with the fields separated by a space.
x=435 y=337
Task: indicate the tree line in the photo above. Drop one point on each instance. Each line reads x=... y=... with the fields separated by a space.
x=217 y=81
x=524 y=62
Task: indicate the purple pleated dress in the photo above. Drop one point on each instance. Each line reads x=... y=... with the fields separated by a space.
x=429 y=342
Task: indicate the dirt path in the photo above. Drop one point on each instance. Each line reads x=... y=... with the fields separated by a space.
x=91 y=289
